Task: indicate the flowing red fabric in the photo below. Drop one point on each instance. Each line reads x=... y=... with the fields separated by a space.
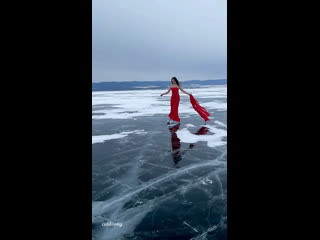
x=201 y=110
x=175 y=99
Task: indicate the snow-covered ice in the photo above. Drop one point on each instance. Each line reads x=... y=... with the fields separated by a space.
x=154 y=181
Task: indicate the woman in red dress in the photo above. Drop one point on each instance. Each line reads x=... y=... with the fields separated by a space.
x=175 y=99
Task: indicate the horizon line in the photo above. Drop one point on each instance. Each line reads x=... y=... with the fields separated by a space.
x=167 y=80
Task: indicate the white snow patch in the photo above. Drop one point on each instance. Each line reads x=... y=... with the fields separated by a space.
x=220 y=123
x=138 y=103
x=103 y=138
x=214 y=140
x=190 y=125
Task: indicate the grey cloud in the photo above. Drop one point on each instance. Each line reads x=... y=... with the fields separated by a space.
x=155 y=40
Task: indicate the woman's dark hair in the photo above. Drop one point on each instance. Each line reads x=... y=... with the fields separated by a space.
x=176 y=80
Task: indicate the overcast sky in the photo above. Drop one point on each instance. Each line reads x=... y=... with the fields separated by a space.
x=154 y=40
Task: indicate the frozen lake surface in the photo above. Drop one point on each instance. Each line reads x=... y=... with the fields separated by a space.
x=154 y=181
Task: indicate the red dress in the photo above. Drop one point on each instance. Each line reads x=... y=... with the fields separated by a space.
x=201 y=110
x=175 y=99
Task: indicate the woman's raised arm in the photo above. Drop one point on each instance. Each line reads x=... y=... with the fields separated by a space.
x=166 y=92
x=182 y=90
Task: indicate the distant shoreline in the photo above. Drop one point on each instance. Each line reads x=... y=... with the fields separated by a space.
x=140 y=85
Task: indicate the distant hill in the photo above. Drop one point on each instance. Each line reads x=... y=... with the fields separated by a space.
x=136 y=85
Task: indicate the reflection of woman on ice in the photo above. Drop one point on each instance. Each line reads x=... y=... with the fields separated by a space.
x=175 y=99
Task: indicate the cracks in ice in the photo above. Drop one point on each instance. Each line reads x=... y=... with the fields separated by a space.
x=145 y=162
x=160 y=179
x=190 y=226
